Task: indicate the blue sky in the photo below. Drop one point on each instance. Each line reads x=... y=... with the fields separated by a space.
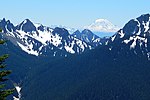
x=73 y=13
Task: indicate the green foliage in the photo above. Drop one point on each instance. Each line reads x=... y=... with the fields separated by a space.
x=5 y=93
x=3 y=73
x=2 y=41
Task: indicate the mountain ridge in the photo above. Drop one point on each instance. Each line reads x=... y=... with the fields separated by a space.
x=135 y=36
x=37 y=39
x=118 y=69
x=114 y=71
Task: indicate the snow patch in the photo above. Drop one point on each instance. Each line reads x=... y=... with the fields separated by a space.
x=25 y=21
x=121 y=34
x=110 y=49
x=113 y=38
x=106 y=43
x=146 y=26
x=81 y=44
x=37 y=25
x=126 y=41
x=140 y=39
x=56 y=40
x=148 y=55
x=139 y=32
x=54 y=54
x=133 y=44
x=27 y=49
x=97 y=40
x=18 y=88
x=70 y=48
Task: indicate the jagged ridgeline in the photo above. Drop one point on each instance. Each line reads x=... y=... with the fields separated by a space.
x=115 y=68
x=118 y=70
x=37 y=39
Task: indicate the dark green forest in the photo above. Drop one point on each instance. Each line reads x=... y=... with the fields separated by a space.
x=95 y=75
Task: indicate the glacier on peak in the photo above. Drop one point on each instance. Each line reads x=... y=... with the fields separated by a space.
x=102 y=25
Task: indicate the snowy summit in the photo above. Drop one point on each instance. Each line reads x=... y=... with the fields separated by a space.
x=102 y=25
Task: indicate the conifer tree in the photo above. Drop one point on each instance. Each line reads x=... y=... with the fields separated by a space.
x=4 y=73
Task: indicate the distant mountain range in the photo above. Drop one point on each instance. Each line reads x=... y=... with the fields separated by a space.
x=37 y=39
x=100 y=27
x=49 y=63
x=117 y=70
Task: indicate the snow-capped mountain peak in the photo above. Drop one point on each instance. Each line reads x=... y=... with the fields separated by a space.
x=89 y=37
x=102 y=21
x=61 y=31
x=135 y=36
x=139 y=27
x=36 y=39
x=102 y=25
x=6 y=25
x=26 y=26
